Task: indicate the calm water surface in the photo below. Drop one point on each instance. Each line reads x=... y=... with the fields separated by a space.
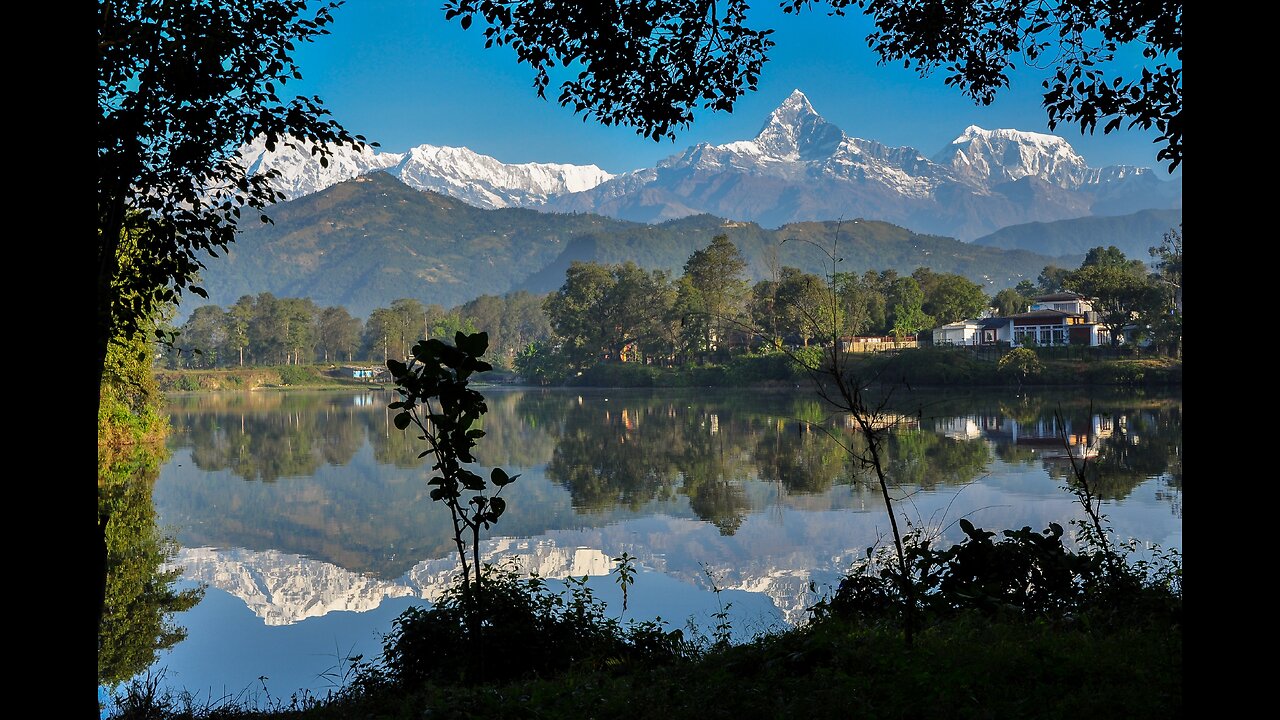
x=306 y=516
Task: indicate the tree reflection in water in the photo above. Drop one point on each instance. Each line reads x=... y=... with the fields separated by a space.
x=141 y=599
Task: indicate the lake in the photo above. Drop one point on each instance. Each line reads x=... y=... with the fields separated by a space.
x=306 y=516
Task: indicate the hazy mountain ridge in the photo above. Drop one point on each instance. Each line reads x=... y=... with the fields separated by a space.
x=1134 y=234
x=370 y=240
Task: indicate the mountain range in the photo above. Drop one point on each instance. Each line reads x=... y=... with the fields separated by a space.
x=800 y=167
x=367 y=241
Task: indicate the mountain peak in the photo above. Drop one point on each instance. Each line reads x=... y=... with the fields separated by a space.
x=797 y=99
x=796 y=131
x=987 y=157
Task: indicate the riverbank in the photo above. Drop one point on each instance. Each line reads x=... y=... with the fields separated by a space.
x=938 y=367
x=926 y=367
x=312 y=377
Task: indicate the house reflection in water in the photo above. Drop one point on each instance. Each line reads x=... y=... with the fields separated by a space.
x=1050 y=437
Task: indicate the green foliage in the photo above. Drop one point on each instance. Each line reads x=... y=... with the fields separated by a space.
x=187 y=383
x=1021 y=363
x=542 y=364
x=296 y=375
x=1165 y=316
x=129 y=401
x=437 y=401
x=1120 y=288
x=654 y=62
x=907 y=317
x=530 y=630
x=137 y=622
x=629 y=375
x=263 y=330
x=625 y=568
x=1010 y=302
x=617 y=312
x=949 y=297
x=1025 y=575
x=711 y=298
x=772 y=367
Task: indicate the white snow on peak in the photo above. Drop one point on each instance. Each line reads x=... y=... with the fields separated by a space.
x=796 y=143
x=300 y=170
x=284 y=588
x=1022 y=136
x=988 y=157
x=795 y=131
x=462 y=173
x=486 y=182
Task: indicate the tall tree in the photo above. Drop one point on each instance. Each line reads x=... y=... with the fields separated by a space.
x=1009 y=302
x=408 y=327
x=906 y=316
x=299 y=329
x=949 y=297
x=712 y=295
x=865 y=300
x=804 y=306
x=206 y=332
x=573 y=311
x=268 y=339
x=337 y=334
x=1051 y=279
x=1112 y=256
x=1118 y=287
x=238 y=318
x=377 y=334
x=650 y=63
x=604 y=309
x=1167 y=321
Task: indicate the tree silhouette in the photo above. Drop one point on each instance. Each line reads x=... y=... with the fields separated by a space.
x=650 y=63
x=181 y=86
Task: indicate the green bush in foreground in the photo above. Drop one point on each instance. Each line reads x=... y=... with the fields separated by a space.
x=529 y=630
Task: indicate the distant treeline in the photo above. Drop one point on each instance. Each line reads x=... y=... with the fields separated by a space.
x=616 y=313
x=601 y=313
x=265 y=330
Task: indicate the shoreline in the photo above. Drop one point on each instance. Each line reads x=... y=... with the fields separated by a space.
x=935 y=368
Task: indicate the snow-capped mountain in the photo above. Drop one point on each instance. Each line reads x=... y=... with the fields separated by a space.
x=476 y=179
x=799 y=167
x=988 y=157
x=302 y=174
x=484 y=182
x=284 y=588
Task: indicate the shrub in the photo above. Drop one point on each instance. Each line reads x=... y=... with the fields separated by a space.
x=296 y=375
x=528 y=630
x=1024 y=574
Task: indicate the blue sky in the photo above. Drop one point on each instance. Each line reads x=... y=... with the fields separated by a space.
x=398 y=73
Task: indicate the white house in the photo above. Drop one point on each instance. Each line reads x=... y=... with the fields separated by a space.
x=965 y=332
x=1056 y=319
